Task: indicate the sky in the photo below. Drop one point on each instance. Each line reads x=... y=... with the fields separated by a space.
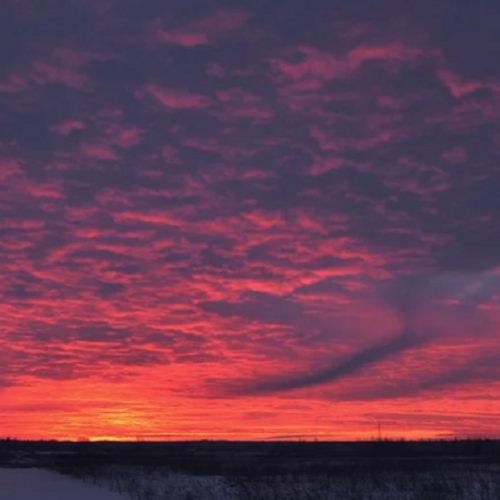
x=249 y=219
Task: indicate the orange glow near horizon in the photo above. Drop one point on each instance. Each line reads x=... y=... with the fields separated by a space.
x=128 y=412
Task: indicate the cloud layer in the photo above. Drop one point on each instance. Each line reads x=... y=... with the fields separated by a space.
x=230 y=205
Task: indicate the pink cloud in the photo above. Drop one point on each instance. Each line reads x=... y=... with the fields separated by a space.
x=325 y=141
x=13 y=84
x=171 y=155
x=65 y=128
x=180 y=38
x=316 y=67
x=98 y=151
x=10 y=168
x=321 y=166
x=457 y=86
x=312 y=71
x=177 y=99
x=45 y=190
x=125 y=137
x=62 y=65
x=238 y=103
x=202 y=31
x=154 y=218
x=45 y=72
x=387 y=53
x=455 y=155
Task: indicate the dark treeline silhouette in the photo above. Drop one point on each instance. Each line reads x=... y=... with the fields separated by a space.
x=229 y=457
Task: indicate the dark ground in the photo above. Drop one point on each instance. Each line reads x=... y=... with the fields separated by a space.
x=257 y=458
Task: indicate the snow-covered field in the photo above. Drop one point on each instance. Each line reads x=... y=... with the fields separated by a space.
x=38 y=484
x=456 y=483
x=138 y=483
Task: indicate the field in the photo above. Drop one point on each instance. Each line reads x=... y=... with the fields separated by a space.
x=468 y=470
x=38 y=484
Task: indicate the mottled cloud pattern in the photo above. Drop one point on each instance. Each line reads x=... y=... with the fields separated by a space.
x=212 y=206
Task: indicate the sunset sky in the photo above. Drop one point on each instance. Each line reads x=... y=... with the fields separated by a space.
x=249 y=219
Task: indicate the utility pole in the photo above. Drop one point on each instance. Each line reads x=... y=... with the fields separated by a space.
x=379 y=432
